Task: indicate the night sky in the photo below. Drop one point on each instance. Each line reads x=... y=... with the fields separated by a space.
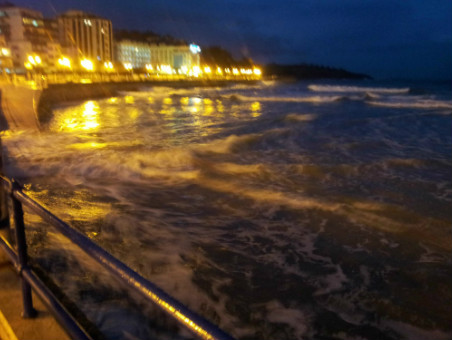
x=383 y=38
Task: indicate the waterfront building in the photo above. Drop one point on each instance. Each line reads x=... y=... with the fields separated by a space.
x=158 y=58
x=24 y=33
x=137 y=54
x=54 y=50
x=178 y=57
x=86 y=36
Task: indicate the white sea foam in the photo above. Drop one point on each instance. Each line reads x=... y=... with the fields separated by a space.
x=371 y=95
x=332 y=282
x=270 y=197
x=300 y=99
x=415 y=333
x=334 y=88
x=431 y=256
x=296 y=318
x=414 y=104
x=227 y=144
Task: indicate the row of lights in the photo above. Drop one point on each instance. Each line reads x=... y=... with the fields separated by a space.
x=196 y=71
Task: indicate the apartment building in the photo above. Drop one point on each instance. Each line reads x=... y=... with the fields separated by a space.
x=84 y=35
x=24 y=32
x=162 y=57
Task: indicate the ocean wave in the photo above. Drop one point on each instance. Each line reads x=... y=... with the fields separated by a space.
x=404 y=162
x=334 y=88
x=156 y=92
x=371 y=95
x=296 y=117
x=415 y=104
x=310 y=99
x=258 y=85
x=240 y=169
x=228 y=144
x=408 y=331
x=278 y=313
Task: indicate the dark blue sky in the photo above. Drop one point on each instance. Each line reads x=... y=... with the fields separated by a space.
x=384 y=38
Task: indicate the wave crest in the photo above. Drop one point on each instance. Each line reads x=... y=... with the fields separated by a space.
x=334 y=88
x=415 y=104
x=310 y=99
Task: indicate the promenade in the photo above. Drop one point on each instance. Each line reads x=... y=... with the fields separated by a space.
x=12 y=325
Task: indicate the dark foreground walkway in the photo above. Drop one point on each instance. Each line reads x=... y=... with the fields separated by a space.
x=12 y=325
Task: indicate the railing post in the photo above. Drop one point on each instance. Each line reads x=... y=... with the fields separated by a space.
x=18 y=215
x=4 y=217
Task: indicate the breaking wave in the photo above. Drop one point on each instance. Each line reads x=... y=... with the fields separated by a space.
x=334 y=88
x=294 y=117
x=414 y=104
x=301 y=99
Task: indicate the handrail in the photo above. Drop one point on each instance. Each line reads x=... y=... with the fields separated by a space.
x=151 y=292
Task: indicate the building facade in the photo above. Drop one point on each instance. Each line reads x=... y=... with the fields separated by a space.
x=137 y=54
x=24 y=33
x=183 y=57
x=162 y=58
x=83 y=35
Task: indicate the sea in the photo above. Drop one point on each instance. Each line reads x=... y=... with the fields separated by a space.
x=276 y=210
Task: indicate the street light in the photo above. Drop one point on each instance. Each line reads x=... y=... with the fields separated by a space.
x=34 y=59
x=87 y=64
x=65 y=62
x=108 y=65
x=196 y=71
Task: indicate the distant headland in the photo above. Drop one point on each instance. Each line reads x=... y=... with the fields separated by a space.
x=309 y=71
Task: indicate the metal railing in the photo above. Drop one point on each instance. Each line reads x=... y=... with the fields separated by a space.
x=199 y=326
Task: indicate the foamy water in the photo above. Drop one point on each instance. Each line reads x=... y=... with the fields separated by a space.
x=277 y=211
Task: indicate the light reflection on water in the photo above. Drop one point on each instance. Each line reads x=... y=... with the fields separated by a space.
x=84 y=117
x=248 y=208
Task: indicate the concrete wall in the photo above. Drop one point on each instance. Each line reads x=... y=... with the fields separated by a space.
x=19 y=107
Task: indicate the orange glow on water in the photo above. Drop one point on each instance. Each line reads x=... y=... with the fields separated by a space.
x=255 y=109
x=83 y=117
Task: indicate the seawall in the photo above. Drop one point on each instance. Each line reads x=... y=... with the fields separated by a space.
x=60 y=93
x=19 y=107
x=25 y=108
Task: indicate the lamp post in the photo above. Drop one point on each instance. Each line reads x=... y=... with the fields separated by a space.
x=129 y=67
x=33 y=64
x=108 y=69
x=65 y=64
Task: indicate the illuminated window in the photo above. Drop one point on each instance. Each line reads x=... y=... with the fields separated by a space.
x=32 y=22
